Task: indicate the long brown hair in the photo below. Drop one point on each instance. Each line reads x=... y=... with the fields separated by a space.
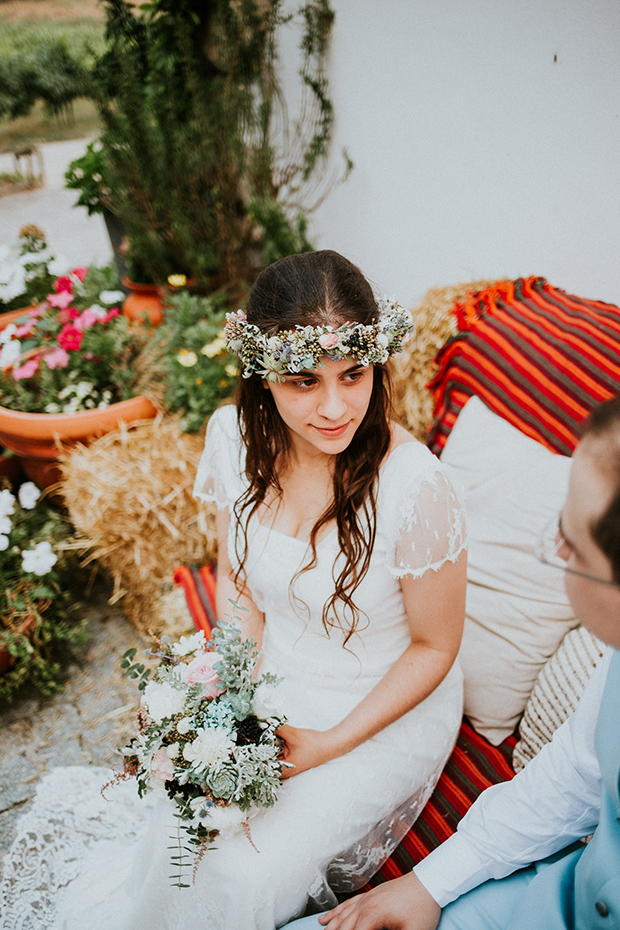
x=311 y=289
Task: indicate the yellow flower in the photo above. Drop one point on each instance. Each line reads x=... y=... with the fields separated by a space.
x=223 y=383
x=214 y=348
x=231 y=370
x=198 y=381
x=177 y=280
x=187 y=358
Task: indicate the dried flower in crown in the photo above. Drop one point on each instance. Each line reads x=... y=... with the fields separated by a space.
x=302 y=348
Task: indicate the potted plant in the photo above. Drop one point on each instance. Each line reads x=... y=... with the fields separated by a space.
x=197 y=159
x=37 y=610
x=70 y=369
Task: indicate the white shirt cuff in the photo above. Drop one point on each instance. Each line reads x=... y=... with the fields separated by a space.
x=452 y=869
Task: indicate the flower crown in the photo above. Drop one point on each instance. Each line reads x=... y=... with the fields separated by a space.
x=302 y=348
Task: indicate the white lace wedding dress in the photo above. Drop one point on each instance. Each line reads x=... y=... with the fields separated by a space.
x=81 y=863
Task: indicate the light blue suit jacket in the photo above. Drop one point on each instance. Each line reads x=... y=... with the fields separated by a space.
x=580 y=889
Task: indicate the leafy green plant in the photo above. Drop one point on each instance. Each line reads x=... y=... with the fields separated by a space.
x=197 y=370
x=39 y=611
x=27 y=272
x=198 y=157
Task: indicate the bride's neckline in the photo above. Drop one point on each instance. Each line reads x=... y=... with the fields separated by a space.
x=306 y=542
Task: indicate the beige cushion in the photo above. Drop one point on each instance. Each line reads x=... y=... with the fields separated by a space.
x=517 y=610
x=556 y=692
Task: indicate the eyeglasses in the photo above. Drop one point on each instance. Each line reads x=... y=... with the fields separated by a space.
x=547 y=550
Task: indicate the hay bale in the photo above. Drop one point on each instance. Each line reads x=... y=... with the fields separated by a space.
x=129 y=495
x=413 y=368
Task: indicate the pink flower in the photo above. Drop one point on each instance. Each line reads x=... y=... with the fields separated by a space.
x=25 y=329
x=37 y=312
x=328 y=340
x=57 y=358
x=110 y=315
x=27 y=369
x=162 y=766
x=200 y=670
x=86 y=320
x=80 y=272
x=63 y=283
x=67 y=316
x=63 y=299
x=70 y=338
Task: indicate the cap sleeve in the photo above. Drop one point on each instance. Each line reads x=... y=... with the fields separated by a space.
x=425 y=525
x=219 y=476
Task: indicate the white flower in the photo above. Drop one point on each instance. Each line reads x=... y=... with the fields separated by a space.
x=28 y=495
x=189 y=644
x=5 y=525
x=184 y=726
x=99 y=312
x=265 y=702
x=7 y=503
x=4 y=542
x=162 y=700
x=228 y=820
x=10 y=353
x=39 y=560
x=210 y=746
x=172 y=750
x=7 y=333
x=111 y=297
x=58 y=266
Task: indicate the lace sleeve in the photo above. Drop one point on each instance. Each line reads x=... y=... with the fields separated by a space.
x=218 y=479
x=427 y=520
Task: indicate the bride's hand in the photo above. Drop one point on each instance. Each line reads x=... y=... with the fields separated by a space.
x=305 y=749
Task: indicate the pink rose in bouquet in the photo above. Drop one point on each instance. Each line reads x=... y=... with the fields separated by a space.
x=200 y=671
x=162 y=765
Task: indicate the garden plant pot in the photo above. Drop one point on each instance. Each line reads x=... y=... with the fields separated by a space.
x=144 y=301
x=39 y=438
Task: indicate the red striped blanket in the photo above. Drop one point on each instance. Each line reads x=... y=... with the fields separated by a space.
x=535 y=355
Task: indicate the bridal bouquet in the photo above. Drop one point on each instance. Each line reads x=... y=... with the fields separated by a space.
x=206 y=736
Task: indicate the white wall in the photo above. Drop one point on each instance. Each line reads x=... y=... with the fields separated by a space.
x=476 y=153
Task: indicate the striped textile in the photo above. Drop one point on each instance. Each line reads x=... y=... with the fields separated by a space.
x=473 y=766
x=535 y=355
x=199 y=587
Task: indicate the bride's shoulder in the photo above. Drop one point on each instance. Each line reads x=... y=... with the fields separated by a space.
x=407 y=455
x=223 y=427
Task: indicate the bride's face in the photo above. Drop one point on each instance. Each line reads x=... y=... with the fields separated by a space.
x=324 y=407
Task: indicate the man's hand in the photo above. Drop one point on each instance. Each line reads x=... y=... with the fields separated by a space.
x=402 y=904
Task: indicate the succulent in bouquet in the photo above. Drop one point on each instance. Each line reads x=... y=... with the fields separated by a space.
x=72 y=352
x=207 y=736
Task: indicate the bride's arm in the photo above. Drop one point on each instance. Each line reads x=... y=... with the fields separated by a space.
x=251 y=620
x=435 y=605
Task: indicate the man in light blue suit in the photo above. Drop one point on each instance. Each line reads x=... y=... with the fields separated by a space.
x=483 y=878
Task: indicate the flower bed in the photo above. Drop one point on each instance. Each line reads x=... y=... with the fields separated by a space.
x=37 y=611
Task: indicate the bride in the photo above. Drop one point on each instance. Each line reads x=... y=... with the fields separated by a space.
x=343 y=539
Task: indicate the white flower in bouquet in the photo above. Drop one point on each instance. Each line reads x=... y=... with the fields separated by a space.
x=211 y=746
x=188 y=645
x=163 y=700
x=28 y=495
x=39 y=560
x=7 y=503
x=265 y=701
x=226 y=820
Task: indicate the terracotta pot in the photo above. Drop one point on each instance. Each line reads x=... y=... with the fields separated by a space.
x=6 y=659
x=38 y=437
x=10 y=467
x=12 y=315
x=144 y=300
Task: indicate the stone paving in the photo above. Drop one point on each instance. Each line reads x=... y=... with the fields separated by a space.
x=83 y=725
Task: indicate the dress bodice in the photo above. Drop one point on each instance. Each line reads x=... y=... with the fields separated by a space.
x=420 y=526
